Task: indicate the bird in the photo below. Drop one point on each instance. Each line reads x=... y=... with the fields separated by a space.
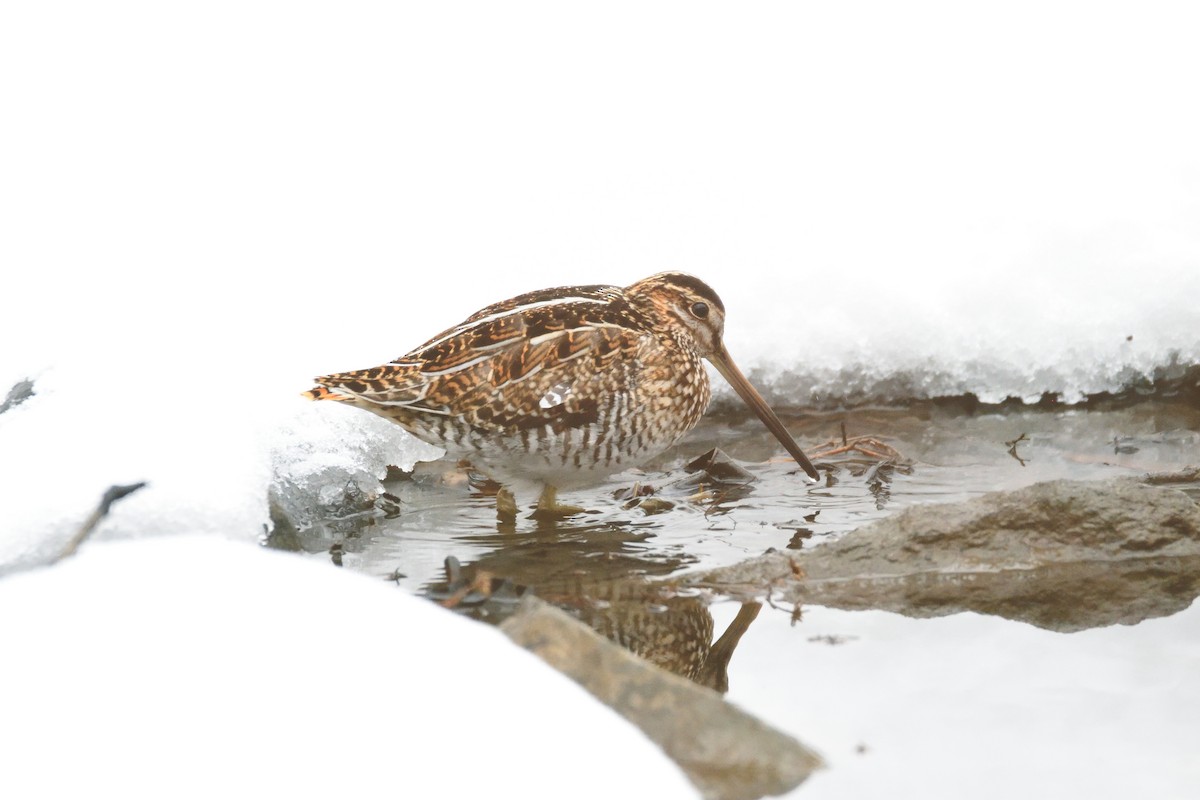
x=562 y=387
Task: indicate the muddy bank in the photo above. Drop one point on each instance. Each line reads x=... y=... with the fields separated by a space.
x=853 y=387
x=1063 y=555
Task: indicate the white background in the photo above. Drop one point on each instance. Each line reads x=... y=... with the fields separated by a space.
x=269 y=191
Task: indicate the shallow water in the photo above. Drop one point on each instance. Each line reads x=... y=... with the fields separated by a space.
x=968 y=703
x=950 y=457
x=977 y=706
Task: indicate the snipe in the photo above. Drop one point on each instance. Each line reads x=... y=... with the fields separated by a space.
x=562 y=386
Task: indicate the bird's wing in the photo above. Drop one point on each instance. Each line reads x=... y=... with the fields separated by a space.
x=497 y=369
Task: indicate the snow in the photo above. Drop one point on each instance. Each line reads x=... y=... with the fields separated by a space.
x=210 y=458
x=989 y=200
x=197 y=667
x=315 y=448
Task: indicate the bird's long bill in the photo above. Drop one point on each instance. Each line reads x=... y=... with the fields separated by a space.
x=758 y=405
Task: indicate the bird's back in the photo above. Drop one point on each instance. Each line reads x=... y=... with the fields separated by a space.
x=570 y=380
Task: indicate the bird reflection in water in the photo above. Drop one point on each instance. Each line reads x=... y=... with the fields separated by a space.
x=598 y=568
x=672 y=629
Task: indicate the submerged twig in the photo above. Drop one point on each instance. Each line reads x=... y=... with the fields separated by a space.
x=868 y=446
x=1185 y=475
x=1123 y=449
x=1012 y=447
x=111 y=496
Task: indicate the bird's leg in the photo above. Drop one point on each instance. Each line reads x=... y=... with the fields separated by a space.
x=506 y=506
x=548 y=506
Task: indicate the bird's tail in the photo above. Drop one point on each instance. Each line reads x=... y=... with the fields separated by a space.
x=321 y=393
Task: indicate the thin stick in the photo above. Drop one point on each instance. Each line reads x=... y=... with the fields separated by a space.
x=111 y=496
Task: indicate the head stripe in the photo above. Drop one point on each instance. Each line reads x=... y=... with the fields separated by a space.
x=693 y=285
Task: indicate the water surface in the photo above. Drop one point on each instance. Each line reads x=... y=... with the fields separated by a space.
x=963 y=705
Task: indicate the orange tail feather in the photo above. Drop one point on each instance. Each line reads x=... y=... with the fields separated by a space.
x=321 y=393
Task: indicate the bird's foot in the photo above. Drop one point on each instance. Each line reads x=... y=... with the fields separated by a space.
x=506 y=506
x=557 y=511
x=548 y=507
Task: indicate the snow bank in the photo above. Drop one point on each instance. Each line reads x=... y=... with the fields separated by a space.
x=194 y=667
x=206 y=207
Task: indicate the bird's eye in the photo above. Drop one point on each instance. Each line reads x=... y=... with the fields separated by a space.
x=700 y=310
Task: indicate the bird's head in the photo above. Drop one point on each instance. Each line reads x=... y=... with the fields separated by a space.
x=692 y=308
x=687 y=304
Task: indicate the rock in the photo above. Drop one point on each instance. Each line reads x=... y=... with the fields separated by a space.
x=20 y=392
x=725 y=752
x=716 y=466
x=1047 y=523
x=1063 y=555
